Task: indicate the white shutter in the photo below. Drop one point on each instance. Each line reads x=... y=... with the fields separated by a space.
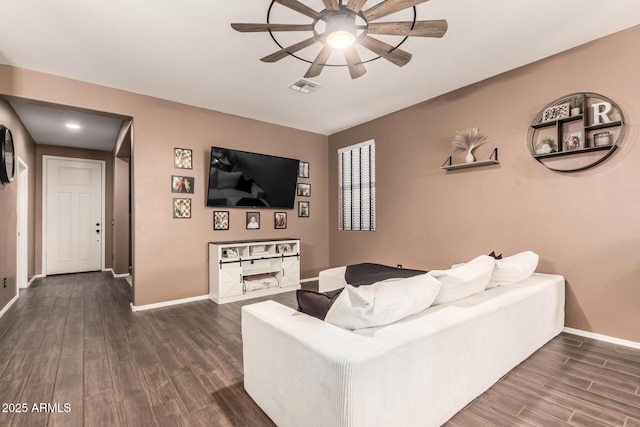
x=356 y=185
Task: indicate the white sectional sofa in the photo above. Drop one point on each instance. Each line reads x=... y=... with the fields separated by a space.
x=418 y=371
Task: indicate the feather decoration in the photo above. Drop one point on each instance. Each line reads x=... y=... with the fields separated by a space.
x=468 y=140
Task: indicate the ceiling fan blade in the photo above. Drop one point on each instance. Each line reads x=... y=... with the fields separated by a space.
x=331 y=4
x=300 y=8
x=277 y=56
x=388 y=52
x=355 y=5
x=435 y=28
x=256 y=28
x=354 y=63
x=318 y=64
x=388 y=7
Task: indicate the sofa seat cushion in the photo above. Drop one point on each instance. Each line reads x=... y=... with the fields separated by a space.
x=382 y=303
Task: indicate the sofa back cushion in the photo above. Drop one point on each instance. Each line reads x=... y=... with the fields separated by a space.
x=513 y=269
x=382 y=303
x=464 y=280
x=316 y=304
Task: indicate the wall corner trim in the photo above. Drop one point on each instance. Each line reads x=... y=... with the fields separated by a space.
x=600 y=337
x=9 y=304
x=135 y=308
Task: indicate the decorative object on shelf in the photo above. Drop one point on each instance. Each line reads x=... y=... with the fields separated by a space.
x=7 y=155
x=545 y=146
x=556 y=112
x=182 y=158
x=253 y=220
x=303 y=209
x=582 y=141
x=284 y=248
x=573 y=141
x=602 y=139
x=220 y=220
x=493 y=160
x=468 y=140
x=303 y=170
x=304 y=190
x=339 y=27
x=230 y=253
x=182 y=208
x=576 y=104
x=181 y=184
x=280 y=220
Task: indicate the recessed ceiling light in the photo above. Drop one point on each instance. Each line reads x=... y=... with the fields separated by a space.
x=73 y=126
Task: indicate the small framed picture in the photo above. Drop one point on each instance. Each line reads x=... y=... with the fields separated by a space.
x=181 y=184
x=304 y=190
x=280 y=220
x=220 y=220
x=182 y=158
x=556 y=112
x=182 y=208
x=253 y=220
x=303 y=209
x=303 y=170
x=573 y=141
x=283 y=248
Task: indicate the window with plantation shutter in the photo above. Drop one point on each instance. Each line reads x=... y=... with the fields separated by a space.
x=356 y=185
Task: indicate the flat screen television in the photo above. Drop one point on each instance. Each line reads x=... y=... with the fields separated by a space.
x=243 y=179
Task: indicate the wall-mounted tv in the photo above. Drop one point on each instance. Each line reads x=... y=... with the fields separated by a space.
x=243 y=179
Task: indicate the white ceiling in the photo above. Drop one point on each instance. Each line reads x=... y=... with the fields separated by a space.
x=186 y=51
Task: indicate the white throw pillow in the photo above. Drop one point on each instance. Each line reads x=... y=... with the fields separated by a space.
x=382 y=303
x=464 y=280
x=513 y=269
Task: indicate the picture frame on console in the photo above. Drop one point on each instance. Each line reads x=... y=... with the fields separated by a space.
x=220 y=220
x=280 y=220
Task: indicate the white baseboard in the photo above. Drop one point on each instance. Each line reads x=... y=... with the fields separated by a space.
x=114 y=274
x=310 y=279
x=9 y=304
x=601 y=337
x=33 y=279
x=167 y=303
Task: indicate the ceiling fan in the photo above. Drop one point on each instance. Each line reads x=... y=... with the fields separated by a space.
x=342 y=24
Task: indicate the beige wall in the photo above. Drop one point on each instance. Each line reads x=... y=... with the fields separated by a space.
x=170 y=256
x=584 y=225
x=25 y=149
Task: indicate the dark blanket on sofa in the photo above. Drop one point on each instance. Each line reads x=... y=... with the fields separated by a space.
x=368 y=273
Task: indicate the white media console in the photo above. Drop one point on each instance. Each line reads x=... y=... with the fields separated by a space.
x=241 y=270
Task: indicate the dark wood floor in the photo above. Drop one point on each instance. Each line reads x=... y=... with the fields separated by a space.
x=72 y=339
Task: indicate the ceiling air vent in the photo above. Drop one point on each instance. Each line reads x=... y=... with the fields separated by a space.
x=304 y=86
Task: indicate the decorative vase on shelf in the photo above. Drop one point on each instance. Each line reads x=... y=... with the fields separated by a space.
x=468 y=140
x=575 y=111
x=469 y=157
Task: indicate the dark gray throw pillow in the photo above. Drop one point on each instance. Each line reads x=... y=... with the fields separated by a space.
x=316 y=304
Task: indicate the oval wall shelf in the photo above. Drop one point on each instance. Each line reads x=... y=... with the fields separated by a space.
x=570 y=141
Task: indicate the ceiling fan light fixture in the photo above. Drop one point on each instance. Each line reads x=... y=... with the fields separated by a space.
x=341 y=31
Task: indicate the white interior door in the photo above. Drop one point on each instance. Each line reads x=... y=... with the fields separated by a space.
x=74 y=212
x=23 y=221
